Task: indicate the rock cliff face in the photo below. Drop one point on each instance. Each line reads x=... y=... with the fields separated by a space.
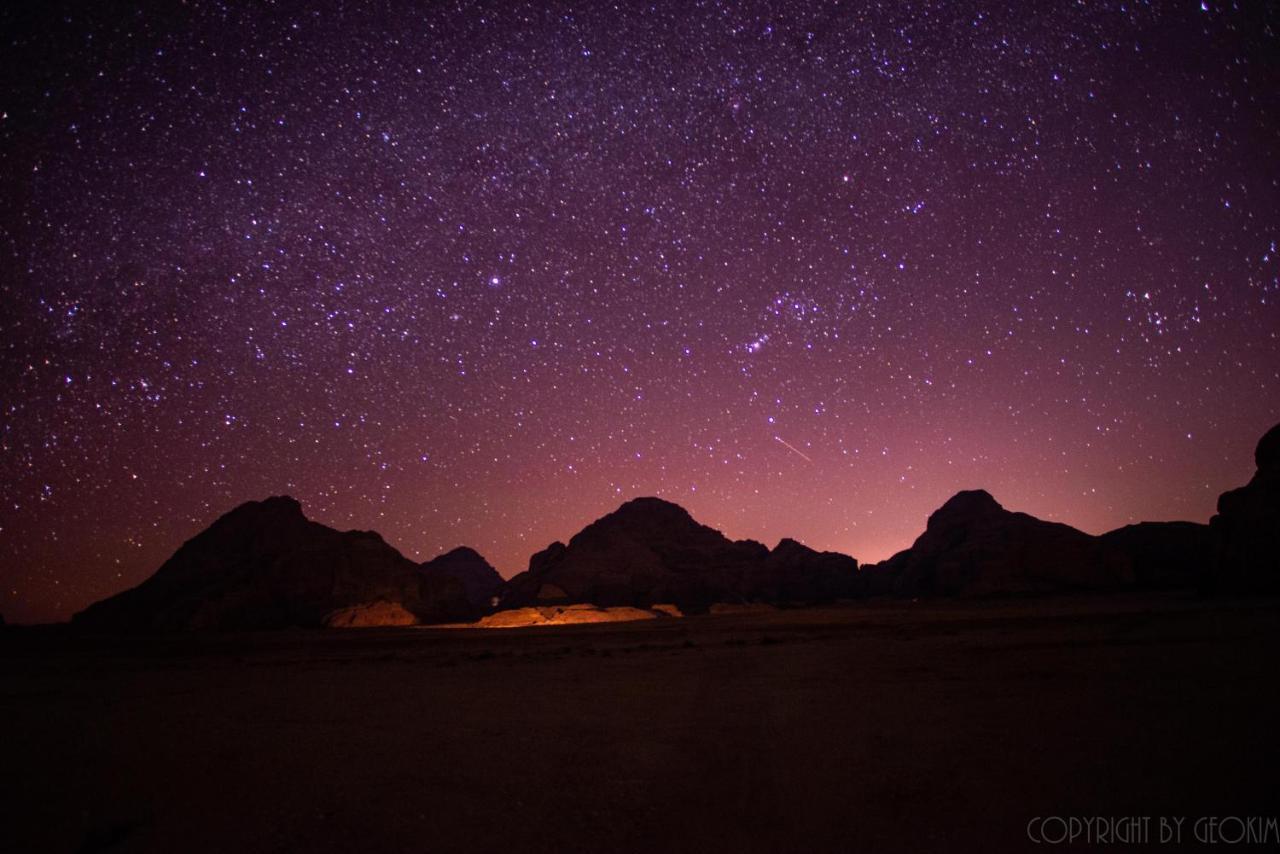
x=1246 y=530
x=973 y=546
x=264 y=565
x=651 y=551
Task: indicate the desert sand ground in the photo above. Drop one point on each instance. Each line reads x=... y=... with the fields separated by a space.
x=868 y=727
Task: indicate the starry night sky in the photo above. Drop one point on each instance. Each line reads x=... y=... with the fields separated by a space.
x=479 y=273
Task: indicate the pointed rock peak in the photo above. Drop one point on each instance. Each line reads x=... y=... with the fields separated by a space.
x=265 y=565
x=793 y=553
x=645 y=517
x=462 y=553
x=1267 y=455
x=282 y=502
x=972 y=499
x=468 y=566
x=650 y=507
x=787 y=545
x=463 y=559
x=270 y=511
x=967 y=504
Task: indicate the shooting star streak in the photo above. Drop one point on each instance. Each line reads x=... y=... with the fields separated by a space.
x=794 y=448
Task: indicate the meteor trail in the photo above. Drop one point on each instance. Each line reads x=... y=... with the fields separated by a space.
x=793 y=447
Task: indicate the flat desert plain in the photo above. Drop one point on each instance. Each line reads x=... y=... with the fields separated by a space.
x=883 y=726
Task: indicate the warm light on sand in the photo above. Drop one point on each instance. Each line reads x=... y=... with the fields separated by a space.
x=370 y=615
x=566 y=615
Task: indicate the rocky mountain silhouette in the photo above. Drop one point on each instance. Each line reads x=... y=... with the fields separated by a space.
x=651 y=551
x=973 y=546
x=478 y=578
x=264 y=565
x=1246 y=529
x=1163 y=555
x=793 y=572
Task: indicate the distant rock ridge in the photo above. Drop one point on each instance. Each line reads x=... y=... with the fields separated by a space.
x=264 y=565
x=652 y=551
x=973 y=546
x=1246 y=529
x=478 y=578
x=1164 y=555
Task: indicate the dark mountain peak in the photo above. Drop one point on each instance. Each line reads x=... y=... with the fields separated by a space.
x=649 y=509
x=265 y=565
x=461 y=553
x=652 y=521
x=651 y=502
x=972 y=545
x=788 y=548
x=793 y=572
x=280 y=520
x=278 y=504
x=274 y=526
x=467 y=566
x=967 y=504
x=651 y=551
x=278 y=509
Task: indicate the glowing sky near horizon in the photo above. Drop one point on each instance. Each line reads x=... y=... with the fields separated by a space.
x=478 y=273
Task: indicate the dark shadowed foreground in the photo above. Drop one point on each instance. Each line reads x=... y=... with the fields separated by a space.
x=872 y=727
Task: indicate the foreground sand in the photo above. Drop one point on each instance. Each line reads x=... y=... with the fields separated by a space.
x=887 y=726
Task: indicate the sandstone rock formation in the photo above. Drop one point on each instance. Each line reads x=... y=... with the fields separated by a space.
x=651 y=551
x=264 y=565
x=567 y=615
x=478 y=578
x=381 y=613
x=973 y=546
x=1246 y=530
